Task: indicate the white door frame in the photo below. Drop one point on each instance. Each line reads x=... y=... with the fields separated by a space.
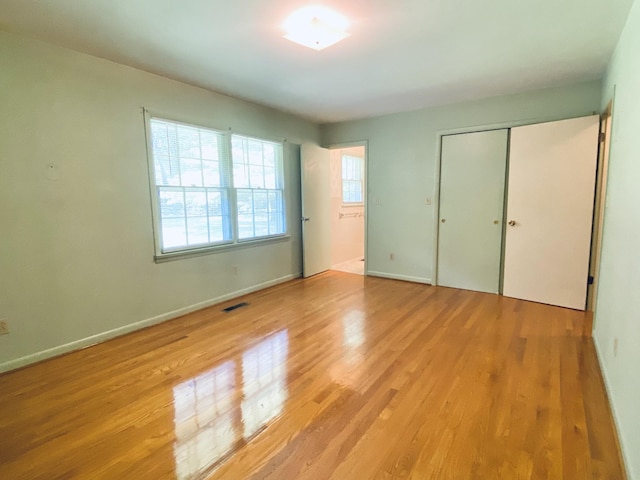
x=471 y=129
x=365 y=144
x=606 y=127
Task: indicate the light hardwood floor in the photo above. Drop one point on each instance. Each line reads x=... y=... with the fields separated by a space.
x=338 y=376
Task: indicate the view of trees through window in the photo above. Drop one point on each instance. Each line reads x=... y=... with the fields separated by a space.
x=214 y=187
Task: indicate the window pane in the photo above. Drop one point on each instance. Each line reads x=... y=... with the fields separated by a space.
x=261 y=225
x=269 y=152
x=352 y=191
x=165 y=152
x=276 y=223
x=245 y=226
x=191 y=172
x=256 y=174
x=172 y=136
x=209 y=145
x=174 y=233
x=188 y=142
x=357 y=196
x=245 y=201
x=275 y=201
x=255 y=152
x=240 y=175
x=197 y=230
x=270 y=177
x=211 y=174
x=159 y=140
x=260 y=201
x=196 y=203
x=167 y=170
x=218 y=211
x=216 y=229
x=171 y=203
x=352 y=175
x=238 y=149
x=357 y=173
x=178 y=151
x=214 y=203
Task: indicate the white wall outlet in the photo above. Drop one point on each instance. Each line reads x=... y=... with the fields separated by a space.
x=4 y=327
x=235 y=269
x=427 y=201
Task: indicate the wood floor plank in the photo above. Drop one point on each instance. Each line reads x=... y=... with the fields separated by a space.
x=337 y=376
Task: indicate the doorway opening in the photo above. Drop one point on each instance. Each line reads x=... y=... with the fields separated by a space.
x=348 y=202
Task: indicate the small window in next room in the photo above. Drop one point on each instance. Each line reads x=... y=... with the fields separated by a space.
x=352 y=180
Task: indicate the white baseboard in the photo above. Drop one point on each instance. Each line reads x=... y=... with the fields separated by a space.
x=406 y=278
x=616 y=419
x=117 y=332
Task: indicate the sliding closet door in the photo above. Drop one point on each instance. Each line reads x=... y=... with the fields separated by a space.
x=472 y=178
x=552 y=169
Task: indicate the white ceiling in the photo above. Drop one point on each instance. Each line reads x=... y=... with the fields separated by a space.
x=402 y=55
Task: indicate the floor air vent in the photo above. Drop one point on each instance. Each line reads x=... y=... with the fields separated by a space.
x=233 y=307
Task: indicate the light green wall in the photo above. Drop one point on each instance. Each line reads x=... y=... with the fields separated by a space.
x=402 y=153
x=618 y=303
x=76 y=251
x=76 y=244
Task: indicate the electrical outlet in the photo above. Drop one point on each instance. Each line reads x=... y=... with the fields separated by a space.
x=235 y=270
x=427 y=201
x=4 y=327
x=615 y=347
x=392 y=256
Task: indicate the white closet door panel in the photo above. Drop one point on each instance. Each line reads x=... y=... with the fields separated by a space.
x=472 y=178
x=552 y=170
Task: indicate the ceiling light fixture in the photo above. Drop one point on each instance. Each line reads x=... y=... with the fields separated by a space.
x=316 y=27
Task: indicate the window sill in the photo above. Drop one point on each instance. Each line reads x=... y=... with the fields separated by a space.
x=198 y=252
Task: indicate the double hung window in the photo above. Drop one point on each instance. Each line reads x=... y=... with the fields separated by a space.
x=213 y=188
x=352 y=180
x=257 y=177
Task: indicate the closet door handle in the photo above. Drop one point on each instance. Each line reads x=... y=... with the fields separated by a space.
x=512 y=223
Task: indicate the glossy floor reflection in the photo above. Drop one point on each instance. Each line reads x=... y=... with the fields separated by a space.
x=337 y=376
x=264 y=373
x=206 y=422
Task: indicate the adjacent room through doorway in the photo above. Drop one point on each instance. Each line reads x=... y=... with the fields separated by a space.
x=348 y=209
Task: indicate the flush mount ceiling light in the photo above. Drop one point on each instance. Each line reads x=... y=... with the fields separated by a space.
x=316 y=27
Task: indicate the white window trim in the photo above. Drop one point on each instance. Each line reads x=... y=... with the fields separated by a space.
x=235 y=243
